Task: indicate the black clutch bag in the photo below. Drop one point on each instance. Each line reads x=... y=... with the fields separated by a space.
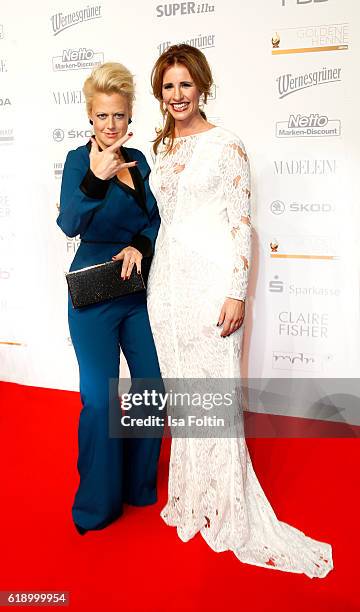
x=101 y=282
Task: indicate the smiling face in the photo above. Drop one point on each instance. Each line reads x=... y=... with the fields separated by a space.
x=180 y=94
x=110 y=116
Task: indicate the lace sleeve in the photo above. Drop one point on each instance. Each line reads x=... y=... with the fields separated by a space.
x=235 y=170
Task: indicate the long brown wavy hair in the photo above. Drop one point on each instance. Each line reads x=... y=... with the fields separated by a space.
x=195 y=61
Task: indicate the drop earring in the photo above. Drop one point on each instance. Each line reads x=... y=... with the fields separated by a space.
x=91 y=122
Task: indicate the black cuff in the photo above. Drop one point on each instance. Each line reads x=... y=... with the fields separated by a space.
x=142 y=244
x=94 y=187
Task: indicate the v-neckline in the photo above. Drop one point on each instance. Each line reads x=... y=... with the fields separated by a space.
x=126 y=158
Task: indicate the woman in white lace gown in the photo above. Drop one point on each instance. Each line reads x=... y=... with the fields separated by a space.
x=196 y=300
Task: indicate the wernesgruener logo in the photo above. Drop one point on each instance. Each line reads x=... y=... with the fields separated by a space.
x=63 y=21
x=289 y=84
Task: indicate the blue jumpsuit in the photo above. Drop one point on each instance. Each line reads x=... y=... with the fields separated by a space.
x=109 y=216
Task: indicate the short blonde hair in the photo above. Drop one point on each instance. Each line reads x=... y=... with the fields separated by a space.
x=109 y=78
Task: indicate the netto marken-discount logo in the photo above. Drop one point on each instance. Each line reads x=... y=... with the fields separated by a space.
x=62 y=21
x=287 y=84
x=77 y=59
x=313 y=125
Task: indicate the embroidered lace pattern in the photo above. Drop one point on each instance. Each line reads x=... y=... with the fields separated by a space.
x=202 y=256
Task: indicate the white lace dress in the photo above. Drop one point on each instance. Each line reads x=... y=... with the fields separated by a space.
x=202 y=256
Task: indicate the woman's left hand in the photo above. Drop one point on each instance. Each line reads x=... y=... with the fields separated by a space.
x=231 y=316
x=130 y=257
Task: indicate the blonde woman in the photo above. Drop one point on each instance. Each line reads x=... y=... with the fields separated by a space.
x=196 y=299
x=106 y=199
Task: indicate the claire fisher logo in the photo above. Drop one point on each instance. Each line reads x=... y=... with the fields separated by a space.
x=303 y=324
x=302 y=126
x=287 y=84
x=311 y=39
x=3 y=66
x=176 y=9
x=62 y=21
x=77 y=59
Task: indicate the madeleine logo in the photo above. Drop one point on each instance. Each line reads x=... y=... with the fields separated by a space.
x=63 y=21
x=68 y=96
x=303 y=167
x=312 y=39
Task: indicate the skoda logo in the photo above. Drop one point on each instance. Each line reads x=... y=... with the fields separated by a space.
x=58 y=135
x=277 y=207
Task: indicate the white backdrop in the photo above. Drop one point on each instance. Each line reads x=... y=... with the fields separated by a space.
x=286 y=74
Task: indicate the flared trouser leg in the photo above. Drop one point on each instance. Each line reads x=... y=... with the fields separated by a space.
x=103 y=463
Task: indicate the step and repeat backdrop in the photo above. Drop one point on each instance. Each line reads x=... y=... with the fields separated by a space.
x=286 y=81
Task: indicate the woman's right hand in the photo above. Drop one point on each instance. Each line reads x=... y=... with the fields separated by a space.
x=105 y=164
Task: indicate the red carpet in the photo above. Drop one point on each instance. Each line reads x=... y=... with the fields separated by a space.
x=138 y=563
